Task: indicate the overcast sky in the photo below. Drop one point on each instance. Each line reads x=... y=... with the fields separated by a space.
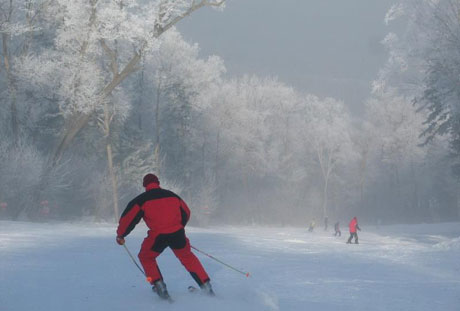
x=325 y=47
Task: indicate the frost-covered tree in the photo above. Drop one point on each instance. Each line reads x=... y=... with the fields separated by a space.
x=396 y=125
x=19 y=22
x=21 y=168
x=98 y=45
x=181 y=82
x=395 y=151
x=428 y=57
x=422 y=69
x=327 y=131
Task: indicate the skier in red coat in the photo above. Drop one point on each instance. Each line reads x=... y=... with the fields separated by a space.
x=166 y=215
x=353 y=233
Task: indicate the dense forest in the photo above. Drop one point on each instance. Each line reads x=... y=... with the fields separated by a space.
x=94 y=94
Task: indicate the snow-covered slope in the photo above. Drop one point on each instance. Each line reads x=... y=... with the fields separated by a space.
x=56 y=267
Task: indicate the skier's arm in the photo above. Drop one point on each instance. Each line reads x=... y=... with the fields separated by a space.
x=185 y=212
x=357 y=227
x=129 y=219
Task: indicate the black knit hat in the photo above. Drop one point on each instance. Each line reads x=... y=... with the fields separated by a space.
x=149 y=179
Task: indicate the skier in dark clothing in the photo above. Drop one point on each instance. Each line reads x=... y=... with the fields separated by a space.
x=353 y=233
x=325 y=223
x=166 y=215
x=337 y=229
x=312 y=226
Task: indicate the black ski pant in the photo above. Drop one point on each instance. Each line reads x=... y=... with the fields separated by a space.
x=353 y=234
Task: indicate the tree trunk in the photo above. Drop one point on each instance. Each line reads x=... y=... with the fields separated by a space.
x=11 y=88
x=157 y=148
x=249 y=199
x=157 y=116
x=326 y=169
x=185 y=156
x=216 y=164
x=325 y=191
x=14 y=111
x=362 y=178
x=141 y=96
x=458 y=203
x=399 y=192
x=415 y=190
x=203 y=155
x=113 y=177
x=72 y=128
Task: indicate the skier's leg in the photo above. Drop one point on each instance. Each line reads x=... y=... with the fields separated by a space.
x=350 y=238
x=356 y=238
x=180 y=246
x=150 y=250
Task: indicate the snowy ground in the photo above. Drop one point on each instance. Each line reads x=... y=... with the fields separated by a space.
x=56 y=267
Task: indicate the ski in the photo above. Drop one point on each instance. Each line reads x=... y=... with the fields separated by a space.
x=166 y=297
x=208 y=291
x=192 y=289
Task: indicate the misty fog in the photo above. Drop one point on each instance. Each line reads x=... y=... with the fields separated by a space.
x=254 y=112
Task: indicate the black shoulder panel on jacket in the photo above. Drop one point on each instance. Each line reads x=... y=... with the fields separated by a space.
x=129 y=207
x=154 y=194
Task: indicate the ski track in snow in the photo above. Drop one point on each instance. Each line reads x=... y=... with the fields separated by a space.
x=75 y=266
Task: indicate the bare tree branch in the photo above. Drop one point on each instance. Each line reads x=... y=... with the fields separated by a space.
x=112 y=55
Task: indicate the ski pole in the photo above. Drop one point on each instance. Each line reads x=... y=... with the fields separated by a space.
x=221 y=262
x=134 y=260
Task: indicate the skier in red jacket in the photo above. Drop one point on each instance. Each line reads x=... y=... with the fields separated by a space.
x=166 y=215
x=353 y=233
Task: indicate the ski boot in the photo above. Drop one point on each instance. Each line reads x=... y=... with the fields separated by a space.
x=207 y=288
x=159 y=287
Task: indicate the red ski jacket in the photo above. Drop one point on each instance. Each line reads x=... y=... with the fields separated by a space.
x=162 y=210
x=353 y=225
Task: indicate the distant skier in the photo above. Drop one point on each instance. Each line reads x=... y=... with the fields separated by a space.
x=166 y=215
x=337 y=229
x=44 y=211
x=325 y=223
x=353 y=227
x=3 y=209
x=312 y=226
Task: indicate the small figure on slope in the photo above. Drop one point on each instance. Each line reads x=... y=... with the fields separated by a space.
x=353 y=233
x=3 y=210
x=337 y=229
x=166 y=215
x=312 y=226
